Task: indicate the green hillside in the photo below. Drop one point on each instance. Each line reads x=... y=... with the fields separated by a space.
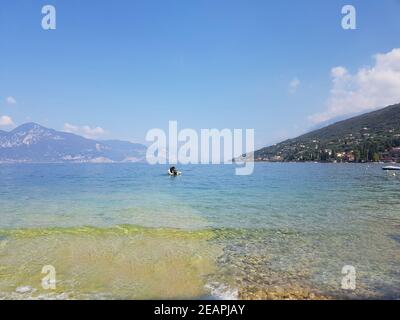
x=373 y=136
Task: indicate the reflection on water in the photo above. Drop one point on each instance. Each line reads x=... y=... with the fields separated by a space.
x=284 y=232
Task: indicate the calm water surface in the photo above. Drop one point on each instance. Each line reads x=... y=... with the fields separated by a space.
x=131 y=231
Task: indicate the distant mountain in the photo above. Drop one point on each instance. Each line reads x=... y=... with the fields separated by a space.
x=368 y=137
x=33 y=143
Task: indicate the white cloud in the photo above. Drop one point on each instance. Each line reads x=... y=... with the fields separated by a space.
x=369 y=88
x=11 y=100
x=6 y=121
x=85 y=131
x=338 y=72
x=294 y=85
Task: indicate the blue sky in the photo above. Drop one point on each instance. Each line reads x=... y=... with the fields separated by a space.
x=130 y=66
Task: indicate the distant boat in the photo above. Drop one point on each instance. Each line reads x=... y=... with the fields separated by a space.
x=391 y=168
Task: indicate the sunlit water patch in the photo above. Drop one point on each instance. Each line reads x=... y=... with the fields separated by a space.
x=124 y=262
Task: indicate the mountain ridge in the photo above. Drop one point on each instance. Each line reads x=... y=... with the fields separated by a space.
x=372 y=136
x=32 y=142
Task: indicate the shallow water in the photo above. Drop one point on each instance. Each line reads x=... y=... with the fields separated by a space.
x=129 y=231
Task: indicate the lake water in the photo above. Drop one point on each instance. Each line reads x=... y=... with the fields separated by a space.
x=129 y=231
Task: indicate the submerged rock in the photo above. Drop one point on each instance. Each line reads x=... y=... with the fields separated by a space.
x=279 y=293
x=24 y=289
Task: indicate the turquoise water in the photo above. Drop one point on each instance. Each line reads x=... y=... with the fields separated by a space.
x=286 y=228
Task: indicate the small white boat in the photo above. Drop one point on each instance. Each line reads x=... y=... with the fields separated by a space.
x=391 y=168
